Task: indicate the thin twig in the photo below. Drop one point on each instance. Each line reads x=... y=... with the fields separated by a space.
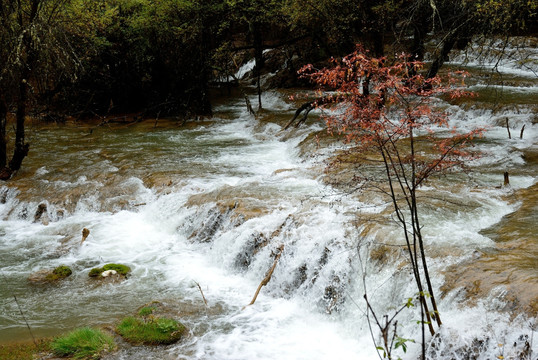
x=201 y=292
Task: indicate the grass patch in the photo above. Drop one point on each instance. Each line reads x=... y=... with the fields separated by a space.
x=119 y=268
x=83 y=343
x=61 y=272
x=24 y=351
x=154 y=331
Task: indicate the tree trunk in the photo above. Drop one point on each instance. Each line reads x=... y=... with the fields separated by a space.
x=258 y=57
x=3 y=140
x=448 y=44
x=21 y=148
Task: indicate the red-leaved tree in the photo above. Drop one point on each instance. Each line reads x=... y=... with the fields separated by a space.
x=389 y=111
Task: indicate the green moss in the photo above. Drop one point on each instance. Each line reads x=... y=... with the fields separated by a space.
x=83 y=343
x=146 y=310
x=152 y=332
x=61 y=272
x=119 y=268
x=95 y=272
x=24 y=351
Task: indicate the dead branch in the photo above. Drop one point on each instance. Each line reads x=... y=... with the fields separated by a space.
x=508 y=129
x=267 y=278
x=201 y=292
x=244 y=94
x=506 y=178
x=306 y=107
x=521 y=133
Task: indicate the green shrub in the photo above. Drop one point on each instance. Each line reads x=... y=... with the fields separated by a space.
x=83 y=343
x=153 y=332
x=59 y=273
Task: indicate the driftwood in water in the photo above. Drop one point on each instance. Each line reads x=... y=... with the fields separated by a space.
x=85 y=233
x=244 y=94
x=508 y=129
x=306 y=107
x=521 y=133
x=201 y=292
x=267 y=278
x=506 y=178
x=41 y=209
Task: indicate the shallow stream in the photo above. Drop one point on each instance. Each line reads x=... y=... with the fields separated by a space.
x=212 y=202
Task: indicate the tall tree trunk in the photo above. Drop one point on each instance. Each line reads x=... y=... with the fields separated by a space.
x=3 y=140
x=442 y=56
x=21 y=148
x=258 y=57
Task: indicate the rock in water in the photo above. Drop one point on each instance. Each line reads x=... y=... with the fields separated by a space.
x=107 y=273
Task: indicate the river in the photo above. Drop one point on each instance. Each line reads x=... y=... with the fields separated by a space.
x=210 y=204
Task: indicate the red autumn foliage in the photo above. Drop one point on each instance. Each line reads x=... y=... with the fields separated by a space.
x=375 y=105
x=391 y=109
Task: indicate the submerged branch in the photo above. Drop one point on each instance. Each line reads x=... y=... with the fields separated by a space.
x=201 y=292
x=267 y=278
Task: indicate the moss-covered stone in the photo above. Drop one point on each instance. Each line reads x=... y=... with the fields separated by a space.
x=151 y=330
x=146 y=311
x=153 y=324
x=61 y=272
x=95 y=272
x=50 y=276
x=119 y=269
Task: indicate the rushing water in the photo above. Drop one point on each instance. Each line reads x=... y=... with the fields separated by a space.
x=211 y=204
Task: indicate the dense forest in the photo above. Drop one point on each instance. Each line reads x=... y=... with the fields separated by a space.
x=89 y=57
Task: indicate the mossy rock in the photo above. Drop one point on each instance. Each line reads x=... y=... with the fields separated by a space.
x=150 y=330
x=50 y=276
x=120 y=269
x=61 y=272
x=146 y=311
x=95 y=272
x=153 y=324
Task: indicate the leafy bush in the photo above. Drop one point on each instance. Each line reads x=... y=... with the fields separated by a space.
x=83 y=343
